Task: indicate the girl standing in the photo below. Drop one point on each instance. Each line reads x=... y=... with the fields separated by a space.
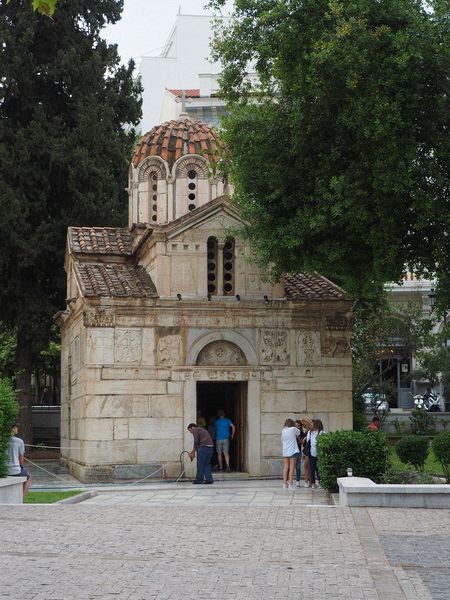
x=298 y=464
x=317 y=429
x=307 y=426
x=289 y=437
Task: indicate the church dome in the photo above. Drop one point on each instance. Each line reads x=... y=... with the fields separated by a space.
x=174 y=139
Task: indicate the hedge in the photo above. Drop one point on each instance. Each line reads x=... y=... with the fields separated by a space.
x=8 y=414
x=441 y=448
x=366 y=453
x=413 y=449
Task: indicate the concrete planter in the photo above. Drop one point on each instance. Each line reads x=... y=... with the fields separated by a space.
x=360 y=491
x=11 y=490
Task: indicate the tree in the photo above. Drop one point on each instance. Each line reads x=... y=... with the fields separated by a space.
x=63 y=160
x=341 y=149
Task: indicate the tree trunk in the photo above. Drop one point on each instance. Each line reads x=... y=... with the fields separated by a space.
x=24 y=369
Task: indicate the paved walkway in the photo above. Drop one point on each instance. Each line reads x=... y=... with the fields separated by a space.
x=231 y=541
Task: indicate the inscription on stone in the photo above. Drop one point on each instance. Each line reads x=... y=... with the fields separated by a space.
x=98 y=318
x=274 y=346
x=336 y=347
x=308 y=348
x=128 y=346
x=169 y=350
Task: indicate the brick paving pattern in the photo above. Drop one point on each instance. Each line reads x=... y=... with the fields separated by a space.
x=238 y=541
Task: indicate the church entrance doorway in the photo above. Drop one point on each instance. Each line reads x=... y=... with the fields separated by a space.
x=232 y=398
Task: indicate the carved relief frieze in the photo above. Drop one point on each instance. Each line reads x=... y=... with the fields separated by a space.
x=221 y=353
x=308 y=348
x=274 y=347
x=170 y=350
x=336 y=347
x=100 y=317
x=338 y=322
x=128 y=345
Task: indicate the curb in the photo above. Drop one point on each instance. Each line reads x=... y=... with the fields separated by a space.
x=79 y=497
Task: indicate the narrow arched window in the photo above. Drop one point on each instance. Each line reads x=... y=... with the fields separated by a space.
x=228 y=267
x=212 y=265
x=192 y=189
x=154 y=196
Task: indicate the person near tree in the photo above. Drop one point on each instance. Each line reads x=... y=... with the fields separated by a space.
x=16 y=457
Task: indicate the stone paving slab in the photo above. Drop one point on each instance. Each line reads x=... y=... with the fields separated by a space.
x=168 y=543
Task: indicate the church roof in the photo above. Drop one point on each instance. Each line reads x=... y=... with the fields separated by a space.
x=175 y=139
x=114 y=280
x=191 y=93
x=311 y=286
x=100 y=240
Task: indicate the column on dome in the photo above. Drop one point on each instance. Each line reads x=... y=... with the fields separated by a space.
x=149 y=192
x=192 y=186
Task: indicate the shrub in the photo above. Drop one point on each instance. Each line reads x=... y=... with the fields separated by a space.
x=422 y=422
x=366 y=453
x=8 y=413
x=413 y=449
x=441 y=448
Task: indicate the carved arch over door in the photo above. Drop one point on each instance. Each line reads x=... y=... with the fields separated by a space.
x=221 y=353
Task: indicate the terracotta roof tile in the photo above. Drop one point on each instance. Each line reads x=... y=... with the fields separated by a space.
x=174 y=139
x=100 y=240
x=192 y=93
x=311 y=286
x=114 y=280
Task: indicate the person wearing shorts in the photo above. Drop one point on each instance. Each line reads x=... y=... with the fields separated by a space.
x=15 y=460
x=225 y=431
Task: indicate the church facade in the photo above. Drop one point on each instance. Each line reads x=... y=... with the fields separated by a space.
x=168 y=318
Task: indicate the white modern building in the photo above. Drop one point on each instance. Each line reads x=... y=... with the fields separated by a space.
x=184 y=64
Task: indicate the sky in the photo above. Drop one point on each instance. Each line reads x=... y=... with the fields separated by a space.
x=146 y=25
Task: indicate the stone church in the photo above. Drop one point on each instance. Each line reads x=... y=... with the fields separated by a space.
x=167 y=318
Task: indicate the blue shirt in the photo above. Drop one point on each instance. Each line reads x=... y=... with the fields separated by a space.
x=223 y=428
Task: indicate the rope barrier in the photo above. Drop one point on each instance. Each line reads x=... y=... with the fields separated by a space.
x=49 y=472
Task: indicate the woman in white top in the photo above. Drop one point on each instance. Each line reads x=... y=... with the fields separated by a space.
x=317 y=429
x=289 y=437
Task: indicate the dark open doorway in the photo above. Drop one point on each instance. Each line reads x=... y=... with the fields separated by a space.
x=232 y=398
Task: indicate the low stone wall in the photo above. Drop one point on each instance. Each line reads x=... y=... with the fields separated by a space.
x=402 y=418
x=11 y=490
x=360 y=491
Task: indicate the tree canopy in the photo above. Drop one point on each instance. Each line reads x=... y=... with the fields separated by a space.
x=340 y=144
x=67 y=108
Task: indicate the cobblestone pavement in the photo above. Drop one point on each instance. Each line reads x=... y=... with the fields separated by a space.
x=237 y=541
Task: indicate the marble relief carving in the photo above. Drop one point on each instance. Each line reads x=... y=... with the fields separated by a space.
x=338 y=322
x=336 y=347
x=169 y=350
x=274 y=346
x=98 y=318
x=221 y=353
x=308 y=348
x=128 y=346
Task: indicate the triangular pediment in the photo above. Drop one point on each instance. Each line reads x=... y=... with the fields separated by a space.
x=218 y=214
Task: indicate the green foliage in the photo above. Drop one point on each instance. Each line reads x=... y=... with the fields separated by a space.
x=422 y=422
x=8 y=413
x=357 y=133
x=441 y=448
x=67 y=111
x=413 y=449
x=376 y=327
x=49 y=497
x=409 y=477
x=7 y=351
x=366 y=453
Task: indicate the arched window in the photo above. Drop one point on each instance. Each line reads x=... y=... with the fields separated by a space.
x=153 y=190
x=228 y=267
x=192 y=184
x=212 y=265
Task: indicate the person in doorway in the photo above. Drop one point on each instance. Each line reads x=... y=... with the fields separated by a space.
x=291 y=452
x=298 y=464
x=201 y=421
x=225 y=431
x=317 y=429
x=16 y=457
x=203 y=447
x=374 y=425
x=46 y=398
